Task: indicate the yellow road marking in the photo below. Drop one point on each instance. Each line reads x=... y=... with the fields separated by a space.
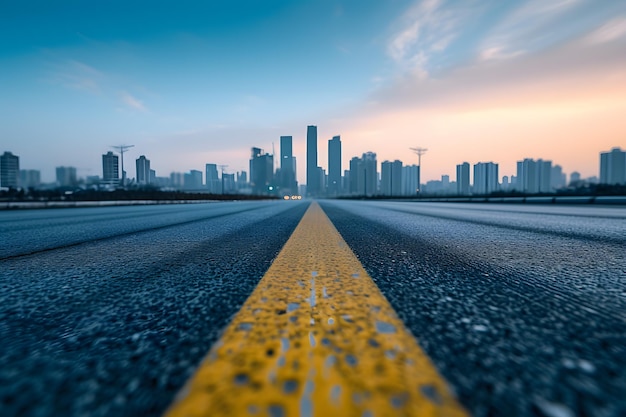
x=316 y=338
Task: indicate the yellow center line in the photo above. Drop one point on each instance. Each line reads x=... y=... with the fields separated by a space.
x=316 y=338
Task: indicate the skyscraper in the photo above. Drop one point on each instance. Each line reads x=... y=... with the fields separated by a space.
x=485 y=178
x=410 y=175
x=613 y=167
x=312 y=174
x=177 y=180
x=558 y=178
x=261 y=172
x=242 y=180
x=30 y=178
x=534 y=176
x=287 y=178
x=385 y=178
x=66 y=176
x=142 y=166
x=193 y=180
x=334 y=166
x=463 y=179
x=213 y=184
x=353 y=185
x=391 y=178
x=110 y=169
x=9 y=170
x=368 y=175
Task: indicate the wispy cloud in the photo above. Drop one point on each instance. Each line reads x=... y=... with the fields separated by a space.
x=426 y=30
x=77 y=75
x=74 y=74
x=613 y=30
x=527 y=27
x=132 y=101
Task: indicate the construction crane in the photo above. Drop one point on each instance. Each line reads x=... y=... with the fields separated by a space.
x=222 y=167
x=121 y=149
x=419 y=152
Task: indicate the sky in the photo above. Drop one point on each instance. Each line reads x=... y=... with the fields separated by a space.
x=195 y=82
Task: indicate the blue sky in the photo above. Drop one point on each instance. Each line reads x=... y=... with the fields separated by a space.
x=192 y=82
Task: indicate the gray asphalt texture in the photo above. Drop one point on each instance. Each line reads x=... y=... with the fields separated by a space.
x=107 y=311
x=521 y=308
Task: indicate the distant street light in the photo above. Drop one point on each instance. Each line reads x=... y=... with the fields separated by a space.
x=121 y=149
x=419 y=152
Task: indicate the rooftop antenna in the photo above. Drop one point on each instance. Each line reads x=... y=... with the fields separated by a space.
x=419 y=152
x=121 y=149
x=222 y=167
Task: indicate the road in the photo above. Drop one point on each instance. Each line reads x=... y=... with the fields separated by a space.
x=108 y=311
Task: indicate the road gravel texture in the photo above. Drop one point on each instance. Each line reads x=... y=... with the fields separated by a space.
x=522 y=309
x=107 y=311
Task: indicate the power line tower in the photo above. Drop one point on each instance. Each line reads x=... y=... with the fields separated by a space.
x=419 y=152
x=222 y=167
x=121 y=149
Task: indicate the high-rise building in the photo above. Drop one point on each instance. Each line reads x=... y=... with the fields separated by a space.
x=385 y=178
x=193 y=180
x=463 y=178
x=30 y=178
x=177 y=180
x=534 y=176
x=353 y=187
x=66 y=176
x=410 y=175
x=287 y=176
x=544 y=175
x=312 y=174
x=485 y=178
x=505 y=184
x=9 y=170
x=558 y=177
x=110 y=169
x=445 y=184
x=391 y=178
x=242 y=180
x=334 y=166
x=213 y=183
x=613 y=167
x=142 y=166
x=367 y=175
x=345 y=186
x=261 y=172
x=228 y=182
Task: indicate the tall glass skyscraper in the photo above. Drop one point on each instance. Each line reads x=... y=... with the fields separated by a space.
x=288 y=183
x=312 y=175
x=334 y=166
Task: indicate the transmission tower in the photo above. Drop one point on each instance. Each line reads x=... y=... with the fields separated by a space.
x=419 y=152
x=222 y=167
x=121 y=149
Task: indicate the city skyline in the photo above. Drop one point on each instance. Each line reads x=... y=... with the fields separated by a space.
x=202 y=83
x=280 y=173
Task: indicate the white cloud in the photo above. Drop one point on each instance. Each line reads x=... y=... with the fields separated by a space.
x=610 y=31
x=77 y=75
x=426 y=30
x=132 y=102
x=530 y=25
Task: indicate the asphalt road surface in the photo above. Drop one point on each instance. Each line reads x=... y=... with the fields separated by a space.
x=113 y=308
x=108 y=311
x=522 y=308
